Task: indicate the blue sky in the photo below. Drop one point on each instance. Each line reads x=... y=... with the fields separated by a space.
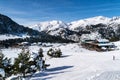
x=27 y=12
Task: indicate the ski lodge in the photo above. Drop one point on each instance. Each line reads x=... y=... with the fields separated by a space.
x=98 y=45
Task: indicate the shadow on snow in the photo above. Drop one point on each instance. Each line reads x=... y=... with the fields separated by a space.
x=59 y=68
x=50 y=72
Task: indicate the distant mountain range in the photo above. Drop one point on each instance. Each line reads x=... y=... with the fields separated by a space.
x=11 y=30
x=95 y=27
x=106 y=27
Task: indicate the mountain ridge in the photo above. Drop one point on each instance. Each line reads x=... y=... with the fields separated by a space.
x=82 y=22
x=109 y=26
x=12 y=30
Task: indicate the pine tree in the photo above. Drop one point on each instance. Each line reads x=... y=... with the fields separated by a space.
x=54 y=52
x=50 y=52
x=21 y=64
x=40 y=52
x=58 y=53
x=39 y=62
x=1 y=59
x=5 y=63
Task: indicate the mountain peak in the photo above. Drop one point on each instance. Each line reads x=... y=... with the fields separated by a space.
x=115 y=18
x=89 y=21
x=49 y=25
x=100 y=17
x=82 y=23
x=55 y=22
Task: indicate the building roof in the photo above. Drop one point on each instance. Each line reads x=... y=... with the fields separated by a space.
x=105 y=44
x=102 y=40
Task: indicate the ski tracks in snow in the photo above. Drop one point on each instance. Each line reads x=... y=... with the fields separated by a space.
x=109 y=75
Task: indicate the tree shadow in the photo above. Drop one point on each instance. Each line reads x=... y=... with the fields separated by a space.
x=48 y=74
x=39 y=78
x=63 y=56
x=52 y=71
x=59 y=68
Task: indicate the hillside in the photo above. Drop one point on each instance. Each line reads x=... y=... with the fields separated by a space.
x=9 y=29
x=8 y=26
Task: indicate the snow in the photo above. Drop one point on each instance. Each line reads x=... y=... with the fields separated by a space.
x=92 y=36
x=102 y=40
x=2 y=72
x=11 y=53
x=89 y=21
x=117 y=44
x=4 y=37
x=49 y=25
x=106 y=44
x=77 y=63
x=56 y=27
x=82 y=23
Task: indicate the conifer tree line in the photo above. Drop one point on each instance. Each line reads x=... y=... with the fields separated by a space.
x=53 y=39
x=27 y=63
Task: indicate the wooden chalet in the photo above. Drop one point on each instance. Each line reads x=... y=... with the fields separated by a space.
x=98 y=45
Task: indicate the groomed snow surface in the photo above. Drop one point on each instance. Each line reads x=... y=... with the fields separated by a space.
x=76 y=63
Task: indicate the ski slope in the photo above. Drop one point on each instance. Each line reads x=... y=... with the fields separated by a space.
x=78 y=63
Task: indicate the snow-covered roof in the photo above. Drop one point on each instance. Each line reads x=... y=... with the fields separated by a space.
x=105 y=44
x=102 y=40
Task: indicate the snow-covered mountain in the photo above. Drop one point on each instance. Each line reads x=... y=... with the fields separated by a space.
x=89 y=21
x=49 y=25
x=52 y=25
x=106 y=27
x=57 y=28
x=9 y=29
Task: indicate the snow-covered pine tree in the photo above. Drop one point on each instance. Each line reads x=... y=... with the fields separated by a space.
x=1 y=59
x=5 y=63
x=50 y=52
x=21 y=65
x=54 y=52
x=40 y=53
x=58 y=53
x=40 y=62
x=8 y=66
